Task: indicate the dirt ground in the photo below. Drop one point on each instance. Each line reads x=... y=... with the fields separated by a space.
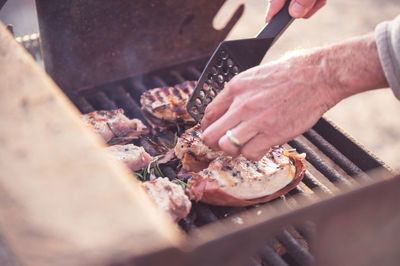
x=372 y=118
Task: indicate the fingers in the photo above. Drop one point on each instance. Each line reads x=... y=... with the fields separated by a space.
x=273 y=7
x=299 y=8
x=256 y=147
x=217 y=107
x=216 y=130
x=243 y=133
x=316 y=7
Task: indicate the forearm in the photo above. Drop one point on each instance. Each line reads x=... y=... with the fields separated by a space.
x=349 y=67
x=355 y=66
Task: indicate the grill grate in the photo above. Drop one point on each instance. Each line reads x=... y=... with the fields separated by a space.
x=328 y=169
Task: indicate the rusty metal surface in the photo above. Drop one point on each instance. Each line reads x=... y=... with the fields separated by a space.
x=87 y=43
x=359 y=227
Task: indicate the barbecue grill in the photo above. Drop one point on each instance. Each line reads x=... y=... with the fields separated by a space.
x=340 y=214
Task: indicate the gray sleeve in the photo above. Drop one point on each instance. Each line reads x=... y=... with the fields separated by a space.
x=387 y=36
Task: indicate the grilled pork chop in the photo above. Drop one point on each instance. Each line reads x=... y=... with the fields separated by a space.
x=165 y=107
x=134 y=157
x=238 y=181
x=195 y=155
x=114 y=126
x=168 y=196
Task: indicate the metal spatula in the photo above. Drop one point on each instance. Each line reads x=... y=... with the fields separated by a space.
x=233 y=57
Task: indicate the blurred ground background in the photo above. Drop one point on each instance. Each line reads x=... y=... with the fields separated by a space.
x=372 y=118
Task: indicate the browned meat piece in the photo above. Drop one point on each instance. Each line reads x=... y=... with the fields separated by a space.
x=165 y=107
x=132 y=156
x=219 y=179
x=195 y=155
x=240 y=182
x=168 y=196
x=114 y=126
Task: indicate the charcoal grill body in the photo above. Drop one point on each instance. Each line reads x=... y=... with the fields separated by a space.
x=112 y=40
x=104 y=54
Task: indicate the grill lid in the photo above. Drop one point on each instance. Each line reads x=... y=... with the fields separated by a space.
x=88 y=43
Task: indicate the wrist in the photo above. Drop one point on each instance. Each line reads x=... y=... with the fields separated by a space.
x=318 y=77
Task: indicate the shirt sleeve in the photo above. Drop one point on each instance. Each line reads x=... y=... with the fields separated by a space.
x=387 y=36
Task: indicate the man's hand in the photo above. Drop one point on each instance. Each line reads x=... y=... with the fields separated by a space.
x=267 y=105
x=297 y=8
x=270 y=104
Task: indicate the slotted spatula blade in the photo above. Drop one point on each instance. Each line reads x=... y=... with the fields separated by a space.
x=233 y=57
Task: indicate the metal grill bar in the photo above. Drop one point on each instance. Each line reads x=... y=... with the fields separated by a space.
x=205 y=214
x=310 y=181
x=296 y=250
x=192 y=70
x=348 y=166
x=271 y=258
x=177 y=75
x=136 y=89
x=187 y=224
x=124 y=99
x=300 y=192
x=347 y=146
x=314 y=184
x=159 y=82
x=319 y=164
x=83 y=105
x=103 y=101
x=306 y=230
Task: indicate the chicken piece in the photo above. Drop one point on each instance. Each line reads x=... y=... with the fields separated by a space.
x=240 y=182
x=114 y=126
x=168 y=196
x=195 y=155
x=165 y=107
x=134 y=157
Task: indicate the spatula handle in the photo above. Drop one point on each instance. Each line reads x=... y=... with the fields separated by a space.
x=277 y=25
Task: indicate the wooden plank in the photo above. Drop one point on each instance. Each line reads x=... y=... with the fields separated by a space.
x=62 y=202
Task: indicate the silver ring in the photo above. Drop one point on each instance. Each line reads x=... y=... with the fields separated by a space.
x=233 y=139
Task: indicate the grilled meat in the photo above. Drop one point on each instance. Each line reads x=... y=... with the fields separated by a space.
x=165 y=107
x=240 y=182
x=168 y=196
x=132 y=156
x=195 y=155
x=114 y=126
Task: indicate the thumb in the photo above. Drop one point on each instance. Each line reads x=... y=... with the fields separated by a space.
x=273 y=7
x=300 y=8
